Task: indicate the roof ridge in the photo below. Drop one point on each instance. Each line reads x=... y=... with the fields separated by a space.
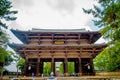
x=58 y=29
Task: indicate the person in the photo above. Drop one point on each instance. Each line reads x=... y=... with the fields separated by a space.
x=52 y=77
x=88 y=67
x=57 y=74
x=41 y=75
x=52 y=74
x=33 y=76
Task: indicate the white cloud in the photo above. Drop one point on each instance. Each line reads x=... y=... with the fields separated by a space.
x=66 y=6
x=58 y=14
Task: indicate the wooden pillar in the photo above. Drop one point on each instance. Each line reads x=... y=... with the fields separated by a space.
x=80 y=67
x=66 y=66
x=41 y=67
x=52 y=65
x=26 y=67
x=37 y=69
x=76 y=66
x=92 y=66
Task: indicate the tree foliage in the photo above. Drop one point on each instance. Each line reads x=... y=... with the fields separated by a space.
x=21 y=64
x=47 y=68
x=107 y=16
x=3 y=40
x=5 y=58
x=71 y=67
x=61 y=68
x=5 y=13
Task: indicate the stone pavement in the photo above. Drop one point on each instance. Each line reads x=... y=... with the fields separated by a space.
x=67 y=78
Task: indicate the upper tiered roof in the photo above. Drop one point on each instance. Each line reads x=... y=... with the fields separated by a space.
x=89 y=35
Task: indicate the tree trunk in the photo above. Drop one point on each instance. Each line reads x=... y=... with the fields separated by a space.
x=2 y=72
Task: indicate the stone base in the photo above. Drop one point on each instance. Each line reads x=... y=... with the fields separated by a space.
x=80 y=73
x=66 y=74
x=37 y=74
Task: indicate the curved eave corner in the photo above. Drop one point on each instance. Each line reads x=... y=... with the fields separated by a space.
x=19 y=35
x=14 y=46
x=96 y=37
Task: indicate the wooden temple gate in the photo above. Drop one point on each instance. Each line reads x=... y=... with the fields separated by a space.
x=58 y=45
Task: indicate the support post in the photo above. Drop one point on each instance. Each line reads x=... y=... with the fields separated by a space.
x=25 y=67
x=92 y=67
x=52 y=65
x=66 y=67
x=41 y=67
x=76 y=67
x=80 y=67
x=37 y=69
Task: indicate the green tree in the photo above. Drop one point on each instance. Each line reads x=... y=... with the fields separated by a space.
x=3 y=40
x=61 y=68
x=107 y=16
x=21 y=64
x=47 y=68
x=6 y=13
x=5 y=59
x=102 y=61
x=71 y=67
